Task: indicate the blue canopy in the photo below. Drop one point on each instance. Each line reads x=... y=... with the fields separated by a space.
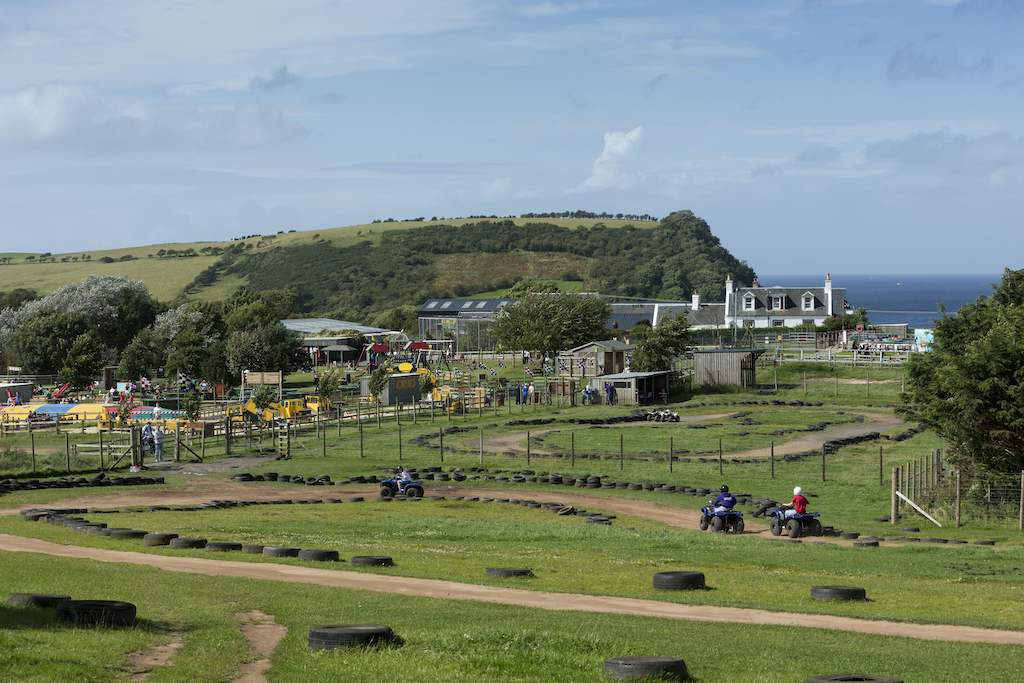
x=56 y=408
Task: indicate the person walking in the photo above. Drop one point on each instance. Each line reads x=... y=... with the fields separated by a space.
x=147 y=439
x=158 y=444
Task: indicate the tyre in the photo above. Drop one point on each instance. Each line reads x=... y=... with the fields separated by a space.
x=776 y=527
x=838 y=593
x=827 y=678
x=158 y=539
x=253 y=549
x=372 y=561
x=677 y=581
x=815 y=528
x=280 y=551
x=506 y=573
x=109 y=612
x=634 y=668
x=348 y=635
x=865 y=543
x=318 y=555
x=849 y=535
x=794 y=528
x=717 y=524
x=36 y=599
x=187 y=543
x=737 y=528
x=223 y=547
x=703 y=522
x=413 y=492
x=128 y=533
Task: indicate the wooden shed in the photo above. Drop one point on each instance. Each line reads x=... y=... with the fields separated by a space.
x=635 y=388
x=726 y=366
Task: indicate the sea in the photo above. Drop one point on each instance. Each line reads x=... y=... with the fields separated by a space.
x=893 y=299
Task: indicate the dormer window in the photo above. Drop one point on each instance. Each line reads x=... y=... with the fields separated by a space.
x=808 y=301
x=748 y=302
x=778 y=302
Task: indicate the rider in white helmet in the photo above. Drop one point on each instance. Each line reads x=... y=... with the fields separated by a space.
x=798 y=505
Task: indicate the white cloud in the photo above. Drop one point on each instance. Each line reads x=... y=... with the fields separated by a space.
x=499 y=188
x=608 y=172
x=75 y=117
x=280 y=79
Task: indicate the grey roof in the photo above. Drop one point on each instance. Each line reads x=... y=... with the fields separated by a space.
x=610 y=345
x=310 y=326
x=455 y=307
x=631 y=375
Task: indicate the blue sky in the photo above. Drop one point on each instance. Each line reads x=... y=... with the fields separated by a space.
x=851 y=135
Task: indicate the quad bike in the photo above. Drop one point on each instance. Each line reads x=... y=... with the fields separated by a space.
x=721 y=521
x=795 y=526
x=411 y=489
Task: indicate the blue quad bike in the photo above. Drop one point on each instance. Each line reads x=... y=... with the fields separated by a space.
x=731 y=520
x=795 y=526
x=389 y=488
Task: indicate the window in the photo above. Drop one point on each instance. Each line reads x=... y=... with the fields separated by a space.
x=467 y=304
x=446 y=304
x=778 y=323
x=432 y=304
x=778 y=302
x=808 y=301
x=748 y=303
x=482 y=304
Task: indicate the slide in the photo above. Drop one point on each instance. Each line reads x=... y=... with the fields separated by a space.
x=63 y=388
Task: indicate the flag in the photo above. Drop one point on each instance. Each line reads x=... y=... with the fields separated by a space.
x=548 y=369
x=846 y=304
x=500 y=364
x=529 y=371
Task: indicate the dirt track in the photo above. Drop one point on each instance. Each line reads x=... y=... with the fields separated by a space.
x=196 y=491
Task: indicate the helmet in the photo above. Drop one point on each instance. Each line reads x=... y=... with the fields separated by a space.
x=724 y=489
x=798 y=491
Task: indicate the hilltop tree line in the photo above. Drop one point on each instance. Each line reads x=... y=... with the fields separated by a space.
x=106 y=320
x=364 y=281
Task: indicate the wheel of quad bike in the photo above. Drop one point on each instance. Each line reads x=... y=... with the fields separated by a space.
x=109 y=612
x=348 y=635
x=737 y=528
x=372 y=561
x=815 y=529
x=36 y=599
x=838 y=593
x=717 y=524
x=387 y=492
x=703 y=522
x=413 y=492
x=794 y=528
x=634 y=668
x=827 y=678
x=507 y=573
x=677 y=581
x=776 y=527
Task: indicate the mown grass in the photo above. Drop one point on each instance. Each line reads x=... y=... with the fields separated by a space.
x=440 y=639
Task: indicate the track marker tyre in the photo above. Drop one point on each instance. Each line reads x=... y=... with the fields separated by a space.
x=676 y=581
x=36 y=599
x=508 y=573
x=318 y=555
x=372 y=561
x=223 y=547
x=635 y=668
x=187 y=543
x=108 y=612
x=280 y=551
x=348 y=635
x=158 y=539
x=838 y=593
x=829 y=678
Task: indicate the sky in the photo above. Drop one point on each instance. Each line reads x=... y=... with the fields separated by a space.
x=873 y=136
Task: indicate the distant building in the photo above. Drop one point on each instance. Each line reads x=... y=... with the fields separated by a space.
x=467 y=321
x=334 y=345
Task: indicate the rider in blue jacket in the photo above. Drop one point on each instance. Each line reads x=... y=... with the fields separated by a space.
x=725 y=500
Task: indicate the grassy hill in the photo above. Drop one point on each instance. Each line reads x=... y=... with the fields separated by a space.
x=356 y=272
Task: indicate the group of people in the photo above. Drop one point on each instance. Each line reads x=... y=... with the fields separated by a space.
x=153 y=441
x=524 y=393
x=726 y=501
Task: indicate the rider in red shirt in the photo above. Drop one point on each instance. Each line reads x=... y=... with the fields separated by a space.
x=799 y=503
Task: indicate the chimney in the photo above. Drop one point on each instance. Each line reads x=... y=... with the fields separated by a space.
x=828 y=294
x=695 y=300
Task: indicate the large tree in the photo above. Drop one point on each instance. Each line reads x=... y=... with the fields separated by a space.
x=661 y=345
x=551 y=322
x=970 y=386
x=83 y=362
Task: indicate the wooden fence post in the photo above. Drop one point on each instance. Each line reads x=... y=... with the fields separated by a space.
x=958 y=499
x=527 y=448
x=67 y=449
x=441 y=432
x=823 y=462
x=32 y=441
x=720 y=455
x=481 y=445
x=670 y=456
x=894 y=513
x=773 y=459
x=622 y=457
x=881 y=481
x=572 y=454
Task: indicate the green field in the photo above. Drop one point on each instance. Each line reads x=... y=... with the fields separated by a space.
x=455 y=540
